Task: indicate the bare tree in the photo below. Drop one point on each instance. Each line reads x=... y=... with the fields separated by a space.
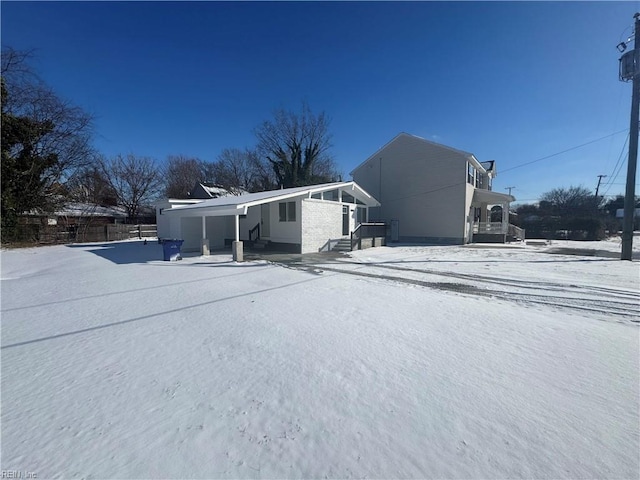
x=241 y=171
x=45 y=139
x=90 y=185
x=136 y=181
x=68 y=138
x=264 y=177
x=181 y=174
x=296 y=145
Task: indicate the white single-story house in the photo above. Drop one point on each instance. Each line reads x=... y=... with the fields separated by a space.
x=301 y=220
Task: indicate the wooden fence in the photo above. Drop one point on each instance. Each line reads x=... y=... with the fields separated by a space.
x=55 y=234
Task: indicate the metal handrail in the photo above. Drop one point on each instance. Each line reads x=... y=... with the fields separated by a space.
x=367 y=230
x=253 y=231
x=356 y=235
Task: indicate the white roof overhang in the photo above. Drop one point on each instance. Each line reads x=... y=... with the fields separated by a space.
x=207 y=211
x=224 y=206
x=487 y=196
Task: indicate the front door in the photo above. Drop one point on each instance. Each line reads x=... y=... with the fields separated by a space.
x=345 y=220
x=265 y=221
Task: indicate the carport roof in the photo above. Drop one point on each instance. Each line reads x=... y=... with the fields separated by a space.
x=238 y=205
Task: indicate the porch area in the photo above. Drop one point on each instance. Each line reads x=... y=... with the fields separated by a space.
x=489 y=215
x=497 y=232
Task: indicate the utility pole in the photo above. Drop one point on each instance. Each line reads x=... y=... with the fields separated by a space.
x=600 y=177
x=509 y=188
x=630 y=70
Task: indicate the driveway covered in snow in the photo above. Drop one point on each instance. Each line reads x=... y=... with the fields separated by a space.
x=404 y=362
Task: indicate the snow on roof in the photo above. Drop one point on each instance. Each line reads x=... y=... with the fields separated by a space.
x=79 y=209
x=217 y=191
x=229 y=203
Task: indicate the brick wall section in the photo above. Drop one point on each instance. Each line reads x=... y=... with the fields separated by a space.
x=321 y=221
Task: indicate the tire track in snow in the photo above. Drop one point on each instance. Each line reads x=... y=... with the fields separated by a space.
x=598 y=299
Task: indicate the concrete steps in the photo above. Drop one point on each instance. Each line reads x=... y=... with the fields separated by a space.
x=260 y=244
x=343 y=245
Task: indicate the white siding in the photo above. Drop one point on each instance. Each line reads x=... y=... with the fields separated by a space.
x=251 y=220
x=420 y=184
x=321 y=221
x=469 y=216
x=191 y=233
x=217 y=231
x=285 y=232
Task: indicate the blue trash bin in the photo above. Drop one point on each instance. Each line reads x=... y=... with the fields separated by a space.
x=171 y=249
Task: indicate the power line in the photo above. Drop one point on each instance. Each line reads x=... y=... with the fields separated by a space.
x=563 y=151
x=614 y=174
x=426 y=192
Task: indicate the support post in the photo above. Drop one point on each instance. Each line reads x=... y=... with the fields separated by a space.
x=505 y=218
x=237 y=244
x=484 y=208
x=630 y=192
x=204 y=250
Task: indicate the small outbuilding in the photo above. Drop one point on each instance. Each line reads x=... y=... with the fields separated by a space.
x=300 y=220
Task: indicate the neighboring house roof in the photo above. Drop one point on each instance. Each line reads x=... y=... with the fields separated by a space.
x=490 y=167
x=206 y=191
x=82 y=209
x=79 y=209
x=462 y=153
x=238 y=205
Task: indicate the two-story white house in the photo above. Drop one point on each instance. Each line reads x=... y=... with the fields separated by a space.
x=431 y=193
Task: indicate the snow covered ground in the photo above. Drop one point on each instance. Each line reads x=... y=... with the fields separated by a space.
x=396 y=362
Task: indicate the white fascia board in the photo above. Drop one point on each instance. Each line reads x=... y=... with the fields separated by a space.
x=307 y=192
x=277 y=198
x=176 y=202
x=375 y=154
x=368 y=199
x=476 y=163
x=205 y=211
x=404 y=134
x=186 y=201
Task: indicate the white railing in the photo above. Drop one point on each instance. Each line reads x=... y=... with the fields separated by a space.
x=490 y=227
x=516 y=232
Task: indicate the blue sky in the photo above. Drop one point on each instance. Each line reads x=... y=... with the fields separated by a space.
x=507 y=81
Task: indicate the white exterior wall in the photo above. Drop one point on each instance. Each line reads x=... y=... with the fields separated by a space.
x=468 y=232
x=250 y=221
x=168 y=226
x=421 y=185
x=321 y=221
x=285 y=232
x=216 y=231
x=162 y=222
x=191 y=233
